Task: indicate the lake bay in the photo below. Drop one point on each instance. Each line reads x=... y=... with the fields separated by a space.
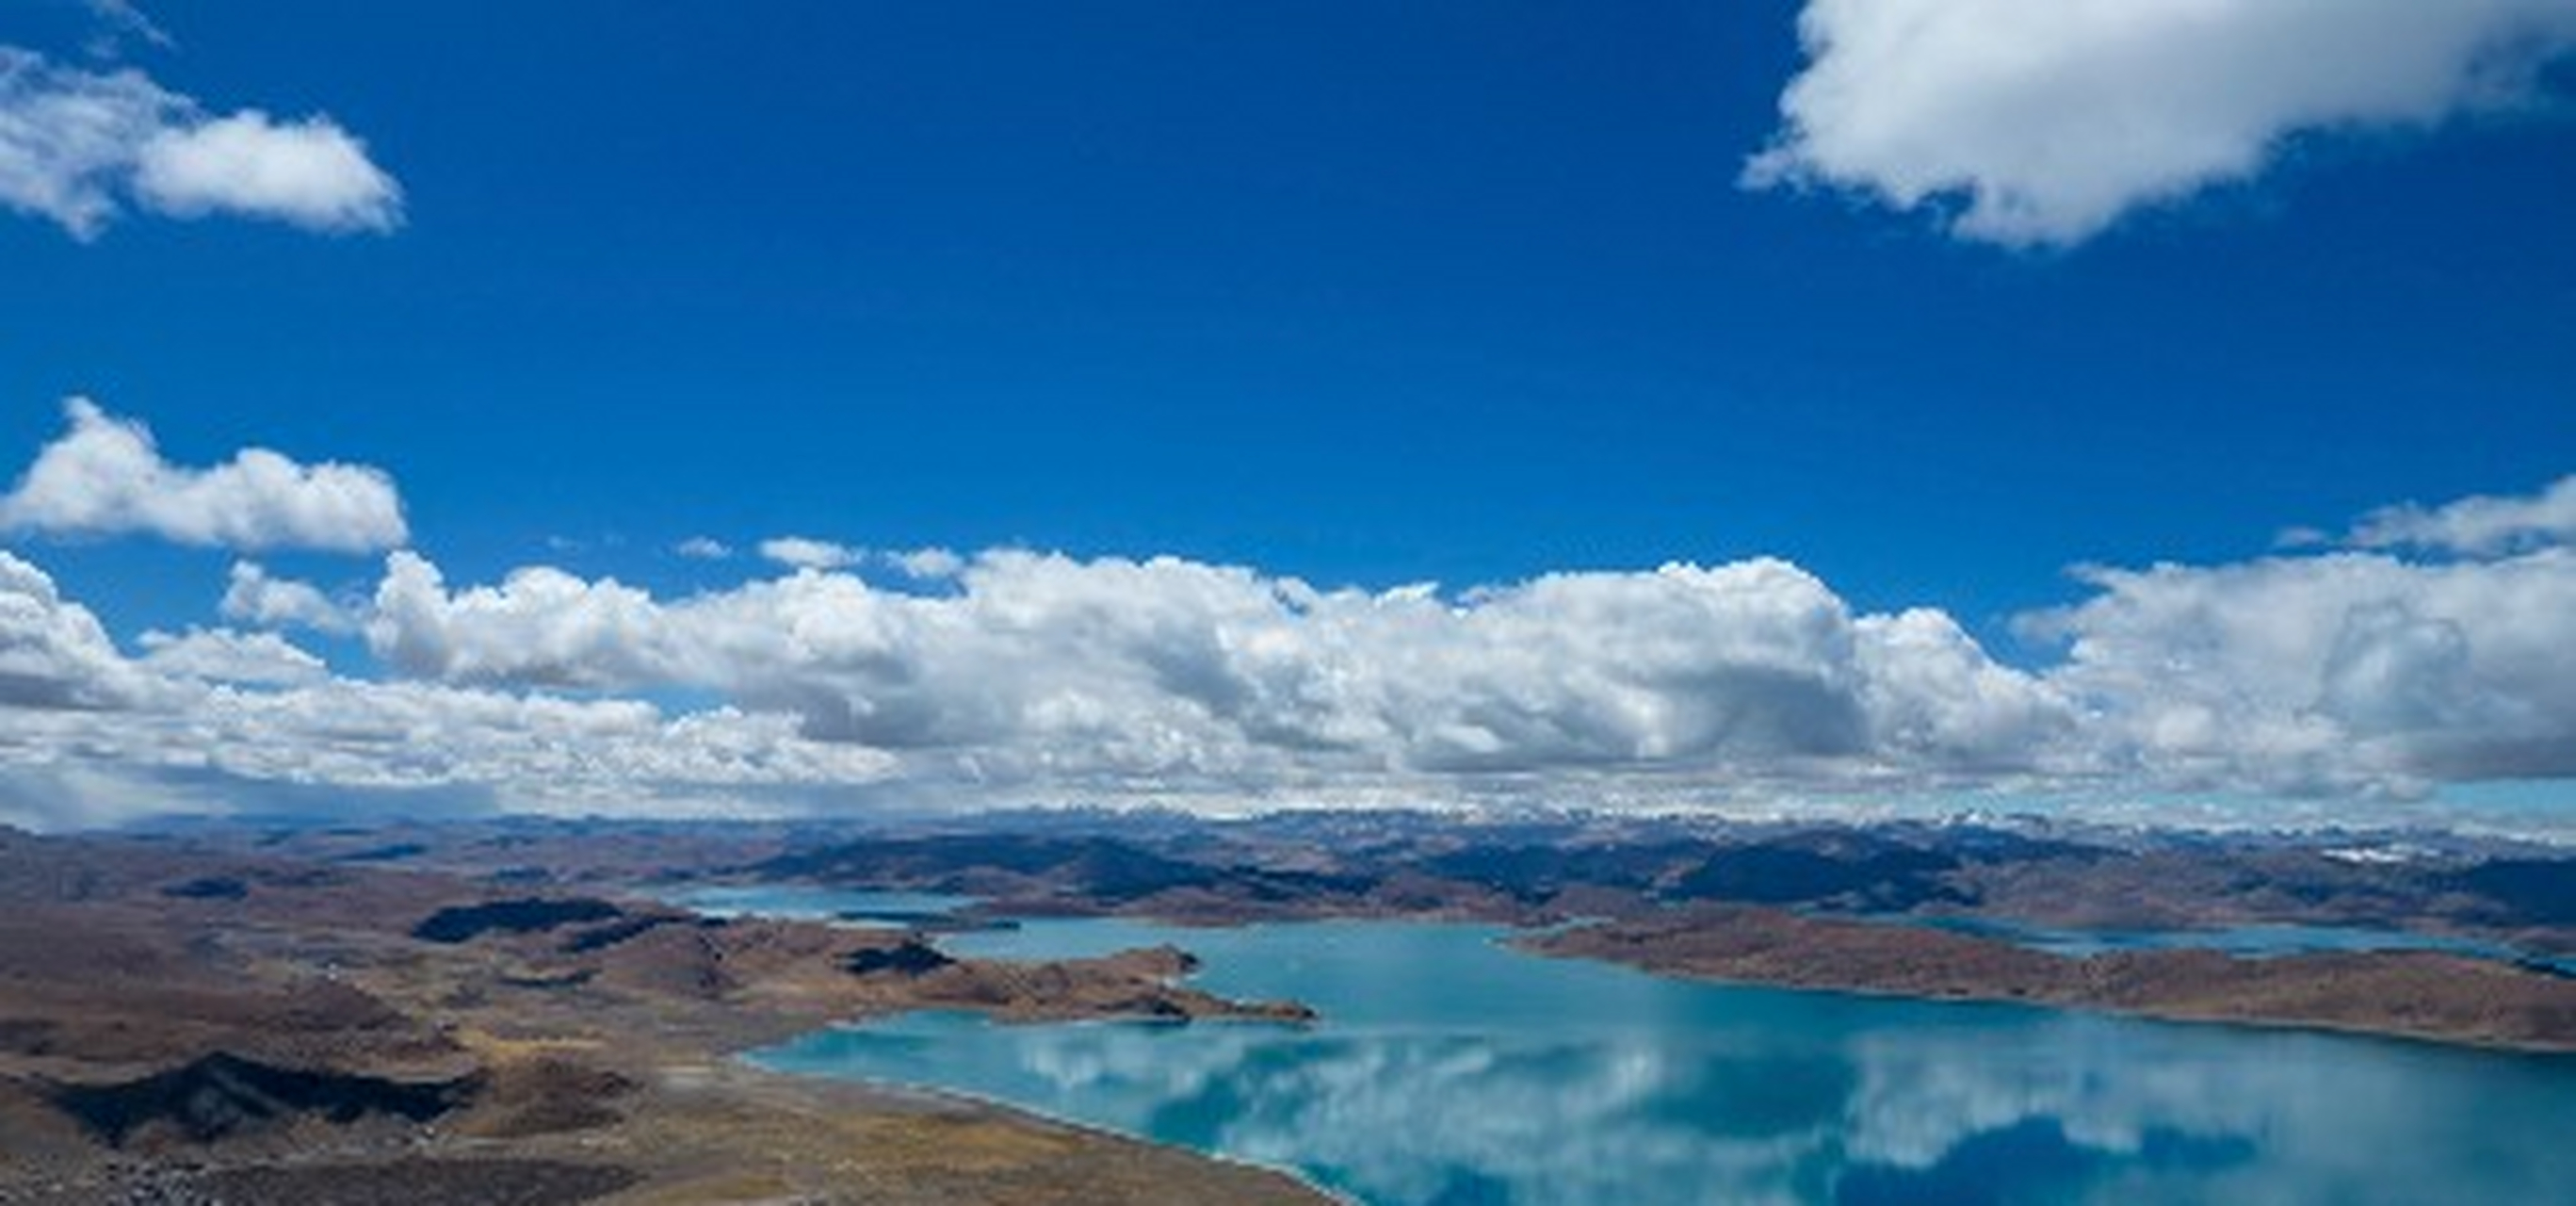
x=1451 y=1070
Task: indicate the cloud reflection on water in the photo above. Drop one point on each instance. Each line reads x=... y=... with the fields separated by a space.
x=1683 y=1093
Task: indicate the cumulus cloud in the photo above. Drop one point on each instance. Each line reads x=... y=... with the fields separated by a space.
x=253 y=597
x=53 y=653
x=213 y=718
x=2042 y=122
x=1113 y=674
x=2477 y=526
x=105 y=476
x=310 y=173
x=2342 y=673
x=2346 y=671
x=805 y=552
x=541 y=626
x=77 y=147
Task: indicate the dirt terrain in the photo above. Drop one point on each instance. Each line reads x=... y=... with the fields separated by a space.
x=490 y=1012
x=185 y=1026
x=2414 y=994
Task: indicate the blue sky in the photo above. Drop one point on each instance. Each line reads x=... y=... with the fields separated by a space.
x=1355 y=295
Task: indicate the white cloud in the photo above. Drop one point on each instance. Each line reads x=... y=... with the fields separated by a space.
x=703 y=548
x=1113 y=675
x=253 y=597
x=2342 y=672
x=77 y=147
x=2478 y=526
x=106 y=477
x=337 y=743
x=311 y=173
x=2333 y=676
x=123 y=19
x=221 y=655
x=68 y=138
x=541 y=626
x=807 y=553
x=88 y=735
x=2336 y=673
x=2045 y=121
x=528 y=750
x=928 y=564
x=53 y=653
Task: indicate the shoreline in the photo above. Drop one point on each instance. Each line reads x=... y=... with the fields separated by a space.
x=943 y=1095
x=2442 y=998
x=1905 y=959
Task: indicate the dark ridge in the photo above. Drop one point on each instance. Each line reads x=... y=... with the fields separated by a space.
x=1298 y=885
x=300 y=877
x=601 y=937
x=417 y=1181
x=223 y=1095
x=209 y=887
x=2524 y=891
x=28 y=1036
x=1982 y=845
x=1103 y=868
x=910 y=958
x=393 y=853
x=1821 y=868
x=1535 y=872
x=464 y=923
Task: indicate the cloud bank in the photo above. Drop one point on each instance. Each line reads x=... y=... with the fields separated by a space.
x=2043 y=122
x=80 y=147
x=2438 y=648
x=106 y=477
x=1115 y=675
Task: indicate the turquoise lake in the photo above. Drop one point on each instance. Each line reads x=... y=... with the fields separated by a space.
x=1450 y=1070
x=869 y=910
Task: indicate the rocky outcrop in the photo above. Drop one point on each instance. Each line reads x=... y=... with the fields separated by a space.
x=224 y=1096
x=908 y=958
x=465 y=923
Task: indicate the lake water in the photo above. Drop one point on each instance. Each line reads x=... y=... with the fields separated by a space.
x=1450 y=1070
x=854 y=907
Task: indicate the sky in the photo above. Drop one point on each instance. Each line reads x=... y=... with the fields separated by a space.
x=803 y=407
